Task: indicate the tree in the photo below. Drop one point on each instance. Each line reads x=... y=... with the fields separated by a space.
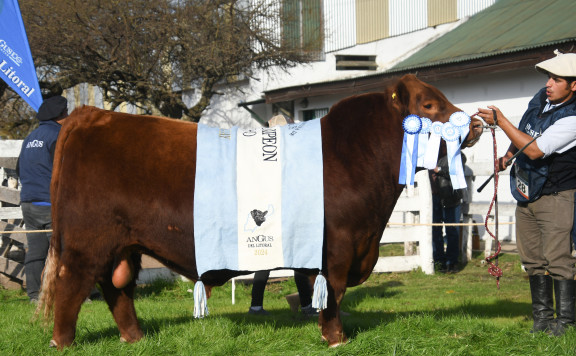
x=147 y=52
x=15 y=119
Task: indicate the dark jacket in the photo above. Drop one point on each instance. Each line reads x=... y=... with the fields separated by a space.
x=442 y=185
x=36 y=160
x=552 y=174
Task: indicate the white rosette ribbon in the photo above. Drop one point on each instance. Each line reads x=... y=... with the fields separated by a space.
x=412 y=124
x=451 y=134
x=431 y=155
x=462 y=121
x=423 y=140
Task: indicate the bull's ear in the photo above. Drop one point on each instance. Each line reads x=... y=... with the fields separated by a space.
x=401 y=98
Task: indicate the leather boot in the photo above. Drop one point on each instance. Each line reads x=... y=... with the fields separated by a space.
x=542 y=303
x=565 y=299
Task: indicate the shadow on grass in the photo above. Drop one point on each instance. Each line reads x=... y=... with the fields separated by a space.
x=357 y=322
x=354 y=324
x=150 y=326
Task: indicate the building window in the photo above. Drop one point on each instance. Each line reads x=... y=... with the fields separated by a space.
x=302 y=27
x=314 y=114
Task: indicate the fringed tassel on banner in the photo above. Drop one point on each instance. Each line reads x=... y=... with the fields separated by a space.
x=200 y=304
x=320 y=296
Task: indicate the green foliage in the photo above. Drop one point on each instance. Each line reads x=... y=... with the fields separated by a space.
x=391 y=314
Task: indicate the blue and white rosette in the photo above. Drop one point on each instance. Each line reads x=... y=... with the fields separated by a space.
x=423 y=140
x=433 y=147
x=412 y=124
x=461 y=120
x=451 y=134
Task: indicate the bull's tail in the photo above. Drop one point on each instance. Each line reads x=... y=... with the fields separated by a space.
x=45 y=306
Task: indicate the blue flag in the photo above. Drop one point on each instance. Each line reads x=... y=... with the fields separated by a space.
x=16 y=64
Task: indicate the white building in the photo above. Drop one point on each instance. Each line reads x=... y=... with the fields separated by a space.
x=477 y=52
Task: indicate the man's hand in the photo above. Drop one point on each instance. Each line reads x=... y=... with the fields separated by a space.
x=492 y=115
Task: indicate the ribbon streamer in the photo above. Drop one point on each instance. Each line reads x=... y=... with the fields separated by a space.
x=423 y=140
x=433 y=147
x=412 y=124
x=451 y=134
x=462 y=121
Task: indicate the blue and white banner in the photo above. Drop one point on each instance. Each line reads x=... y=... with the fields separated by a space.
x=259 y=198
x=16 y=63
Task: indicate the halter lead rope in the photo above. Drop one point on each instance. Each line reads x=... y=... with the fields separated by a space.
x=493 y=268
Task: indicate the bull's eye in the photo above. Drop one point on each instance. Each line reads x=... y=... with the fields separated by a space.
x=428 y=106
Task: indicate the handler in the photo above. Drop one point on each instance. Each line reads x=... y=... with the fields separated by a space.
x=543 y=181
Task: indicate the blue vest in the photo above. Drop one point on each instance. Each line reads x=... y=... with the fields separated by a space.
x=529 y=179
x=35 y=162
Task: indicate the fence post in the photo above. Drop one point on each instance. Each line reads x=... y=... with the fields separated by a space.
x=426 y=250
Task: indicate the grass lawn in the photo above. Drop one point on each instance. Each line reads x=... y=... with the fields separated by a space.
x=391 y=314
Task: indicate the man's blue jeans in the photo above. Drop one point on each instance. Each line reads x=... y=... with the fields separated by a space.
x=36 y=217
x=446 y=215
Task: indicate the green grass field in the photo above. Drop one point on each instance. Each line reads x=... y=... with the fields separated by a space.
x=391 y=314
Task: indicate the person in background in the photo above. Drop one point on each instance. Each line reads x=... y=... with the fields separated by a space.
x=304 y=292
x=446 y=208
x=34 y=168
x=543 y=181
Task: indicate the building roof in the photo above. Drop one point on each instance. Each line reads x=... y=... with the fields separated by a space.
x=507 y=26
x=510 y=34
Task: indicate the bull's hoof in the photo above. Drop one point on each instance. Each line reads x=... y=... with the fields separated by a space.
x=339 y=343
x=53 y=343
x=130 y=339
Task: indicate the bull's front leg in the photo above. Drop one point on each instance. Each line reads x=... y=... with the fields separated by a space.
x=329 y=319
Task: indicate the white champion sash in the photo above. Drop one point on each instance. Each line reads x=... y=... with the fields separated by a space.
x=259 y=198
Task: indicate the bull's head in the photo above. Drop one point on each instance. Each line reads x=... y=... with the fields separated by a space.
x=412 y=96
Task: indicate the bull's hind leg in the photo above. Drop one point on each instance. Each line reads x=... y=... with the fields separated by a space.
x=121 y=300
x=329 y=320
x=121 y=304
x=72 y=288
